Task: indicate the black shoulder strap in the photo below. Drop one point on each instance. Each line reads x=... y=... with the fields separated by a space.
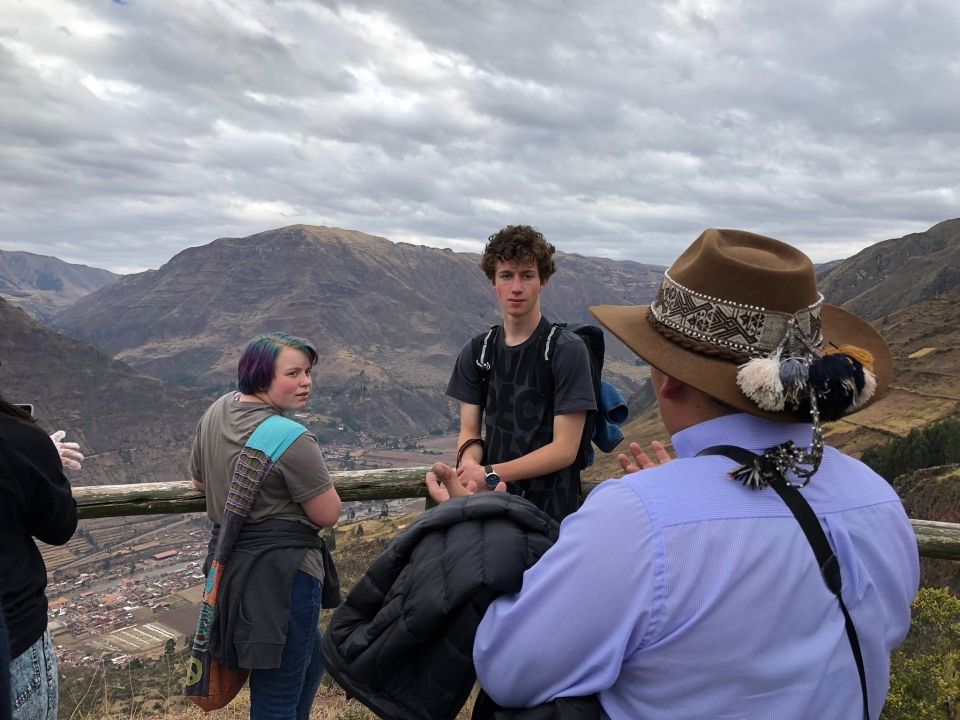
x=551 y=341
x=481 y=358
x=486 y=349
x=826 y=560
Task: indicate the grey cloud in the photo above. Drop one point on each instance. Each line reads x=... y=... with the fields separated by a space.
x=623 y=126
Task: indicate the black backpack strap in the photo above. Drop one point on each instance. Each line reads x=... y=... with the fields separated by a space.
x=551 y=342
x=482 y=352
x=592 y=338
x=826 y=559
x=486 y=350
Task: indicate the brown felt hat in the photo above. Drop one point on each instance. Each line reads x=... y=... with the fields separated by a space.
x=732 y=296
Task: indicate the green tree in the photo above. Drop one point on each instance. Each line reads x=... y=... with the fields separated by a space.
x=936 y=444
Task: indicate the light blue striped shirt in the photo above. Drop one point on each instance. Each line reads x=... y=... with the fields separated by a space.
x=678 y=593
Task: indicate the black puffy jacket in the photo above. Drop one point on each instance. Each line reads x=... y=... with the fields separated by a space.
x=402 y=642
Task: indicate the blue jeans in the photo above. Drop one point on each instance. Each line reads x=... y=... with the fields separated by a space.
x=33 y=682
x=287 y=692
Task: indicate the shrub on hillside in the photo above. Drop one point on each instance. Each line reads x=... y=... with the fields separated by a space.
x=925 y=670
x=936 y=444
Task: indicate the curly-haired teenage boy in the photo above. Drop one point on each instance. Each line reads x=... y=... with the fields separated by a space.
x=532 y=412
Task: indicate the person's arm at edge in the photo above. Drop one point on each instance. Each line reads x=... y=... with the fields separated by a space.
x=602 y=600
x=54 y=510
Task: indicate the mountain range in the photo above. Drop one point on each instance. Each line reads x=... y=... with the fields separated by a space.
x=388 y=319
x=45 y=286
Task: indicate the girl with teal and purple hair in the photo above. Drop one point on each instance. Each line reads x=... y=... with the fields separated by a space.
x=268 y=494
x=257 y=363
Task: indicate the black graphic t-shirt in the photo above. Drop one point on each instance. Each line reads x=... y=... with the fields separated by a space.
x=523 y=396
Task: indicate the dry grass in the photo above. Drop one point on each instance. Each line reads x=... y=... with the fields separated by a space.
x=331 y=704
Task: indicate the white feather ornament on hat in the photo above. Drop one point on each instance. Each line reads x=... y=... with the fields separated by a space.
x=759 y=379
x=869 y=388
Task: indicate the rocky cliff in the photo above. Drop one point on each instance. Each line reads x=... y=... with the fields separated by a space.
x=897 y=273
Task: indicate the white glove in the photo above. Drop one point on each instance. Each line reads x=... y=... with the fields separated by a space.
x=70 y=453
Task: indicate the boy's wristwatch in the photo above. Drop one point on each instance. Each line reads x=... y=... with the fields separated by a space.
x=492 y=479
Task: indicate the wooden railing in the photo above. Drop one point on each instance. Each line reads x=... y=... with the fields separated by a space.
x=935 y=539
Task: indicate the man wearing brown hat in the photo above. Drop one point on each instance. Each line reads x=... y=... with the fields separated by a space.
x=761 y=574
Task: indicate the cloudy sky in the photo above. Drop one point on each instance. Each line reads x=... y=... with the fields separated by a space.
x=132 y=129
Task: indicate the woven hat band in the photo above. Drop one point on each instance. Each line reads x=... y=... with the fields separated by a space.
x=748 y=329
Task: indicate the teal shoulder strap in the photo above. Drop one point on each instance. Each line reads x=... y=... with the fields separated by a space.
x=274 y=435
